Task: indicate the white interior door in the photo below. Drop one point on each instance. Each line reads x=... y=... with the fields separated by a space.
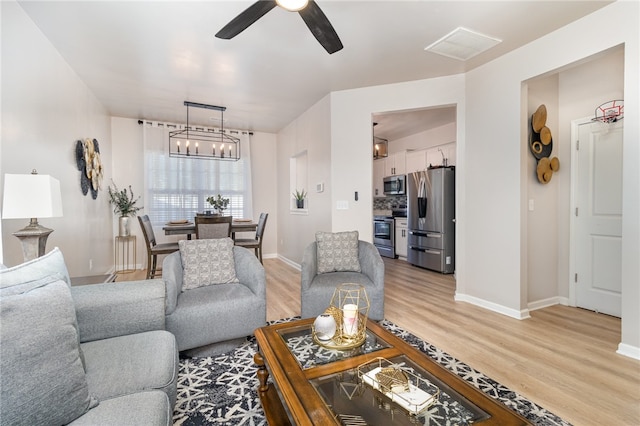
x=598 y=217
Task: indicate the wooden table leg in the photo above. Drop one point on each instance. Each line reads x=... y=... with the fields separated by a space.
x=263 y=374
x=274 y=411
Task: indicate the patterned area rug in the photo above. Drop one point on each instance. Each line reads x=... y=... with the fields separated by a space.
x=221 y=390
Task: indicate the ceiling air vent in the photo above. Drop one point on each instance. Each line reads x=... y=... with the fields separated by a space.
x=462 y=44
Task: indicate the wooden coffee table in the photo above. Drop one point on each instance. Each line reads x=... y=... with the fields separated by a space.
x=314 y=385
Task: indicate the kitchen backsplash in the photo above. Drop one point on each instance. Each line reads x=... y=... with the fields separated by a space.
x=390 y=202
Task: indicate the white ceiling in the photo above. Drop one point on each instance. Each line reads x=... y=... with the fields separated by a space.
x=144 y=59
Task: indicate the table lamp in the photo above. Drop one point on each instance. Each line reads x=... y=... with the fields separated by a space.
x=31 y=196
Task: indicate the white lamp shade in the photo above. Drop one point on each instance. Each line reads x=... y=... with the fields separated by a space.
x=31 y=196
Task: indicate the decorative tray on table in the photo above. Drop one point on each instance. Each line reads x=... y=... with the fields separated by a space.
x=400 y=385
x=179 y=222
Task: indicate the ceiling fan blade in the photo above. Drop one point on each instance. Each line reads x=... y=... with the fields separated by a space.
x=245 y=19
x=320 y=27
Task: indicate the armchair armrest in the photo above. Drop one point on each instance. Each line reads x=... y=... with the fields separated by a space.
x=250 y=271
x=116 y=309
x=371 y=263
x=309 y=266
x=172 y=272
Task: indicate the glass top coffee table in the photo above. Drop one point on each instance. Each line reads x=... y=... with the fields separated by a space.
x=313 y=385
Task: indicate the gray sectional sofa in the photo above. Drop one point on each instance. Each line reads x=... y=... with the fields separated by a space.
x=86 y=355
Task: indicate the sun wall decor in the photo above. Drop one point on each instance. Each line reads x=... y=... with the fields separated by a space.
x=89 y=163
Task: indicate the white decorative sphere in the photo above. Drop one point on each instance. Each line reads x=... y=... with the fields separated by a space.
x=325 y=326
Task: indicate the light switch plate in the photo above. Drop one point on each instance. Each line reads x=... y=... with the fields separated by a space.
x=342 y=205
x=320 y=187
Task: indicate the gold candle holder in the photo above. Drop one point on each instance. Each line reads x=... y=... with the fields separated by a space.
x=349 y=307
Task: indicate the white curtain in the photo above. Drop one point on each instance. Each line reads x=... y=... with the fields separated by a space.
x=177 y=188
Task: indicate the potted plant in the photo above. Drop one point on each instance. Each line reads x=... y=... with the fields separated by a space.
x=299 y=196
x=124 y=204
x=219 y=203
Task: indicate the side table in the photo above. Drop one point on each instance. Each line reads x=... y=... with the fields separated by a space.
x=125 y=254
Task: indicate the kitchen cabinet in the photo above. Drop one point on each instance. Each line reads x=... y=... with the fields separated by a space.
x=416 y=161
x=402 y=237
x=378 y=174
x=422 y=159
x=395 y=164
x=435 y=155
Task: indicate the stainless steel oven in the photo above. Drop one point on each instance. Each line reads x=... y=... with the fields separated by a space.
x=384 y=235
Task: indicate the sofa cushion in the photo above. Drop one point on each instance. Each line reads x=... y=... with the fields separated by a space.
x=337 y=252
x=150 y=408
x=132 y=363
x=215 y=314
x=43 y=380
x=207 y=262
x=40 y=267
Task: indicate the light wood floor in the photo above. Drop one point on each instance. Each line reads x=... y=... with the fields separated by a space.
x=562 y=358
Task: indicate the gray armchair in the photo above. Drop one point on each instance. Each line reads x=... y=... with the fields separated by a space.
x=202 y=318
x=317 y=289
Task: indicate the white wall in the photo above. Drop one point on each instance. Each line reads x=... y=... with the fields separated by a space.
x=128 y=158
x=497 y=220
x=429 y=138
x=45 y=109
x=542 y=222
x=264 y=175
x=311 y=132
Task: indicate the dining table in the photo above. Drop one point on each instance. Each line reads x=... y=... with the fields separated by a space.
x=189 y=228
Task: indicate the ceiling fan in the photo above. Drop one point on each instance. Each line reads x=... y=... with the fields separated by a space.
x=310 y=12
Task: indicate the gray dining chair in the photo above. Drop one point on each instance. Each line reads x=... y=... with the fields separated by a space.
x=208 y=227
x=154 y=249
x=255 y=243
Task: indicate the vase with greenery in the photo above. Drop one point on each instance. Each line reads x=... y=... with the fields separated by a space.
x=299 y=196
x=218 y=203
x=124 y=204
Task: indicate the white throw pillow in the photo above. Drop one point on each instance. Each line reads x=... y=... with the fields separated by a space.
x=207 y=262
x=337 y=252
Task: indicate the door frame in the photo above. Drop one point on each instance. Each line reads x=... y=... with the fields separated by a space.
x=575 y=126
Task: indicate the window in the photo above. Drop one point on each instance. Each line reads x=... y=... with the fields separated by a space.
x=177 y=188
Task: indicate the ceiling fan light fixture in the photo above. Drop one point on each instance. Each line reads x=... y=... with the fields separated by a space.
x=293 y=5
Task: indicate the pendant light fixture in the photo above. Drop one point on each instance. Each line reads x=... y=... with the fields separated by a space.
x=202 y=143
x=380 y=145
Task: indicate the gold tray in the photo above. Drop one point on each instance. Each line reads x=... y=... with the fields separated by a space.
x=341 y=343
x=418 y=395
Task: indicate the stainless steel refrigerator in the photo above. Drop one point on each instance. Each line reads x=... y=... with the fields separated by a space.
x=431 y=202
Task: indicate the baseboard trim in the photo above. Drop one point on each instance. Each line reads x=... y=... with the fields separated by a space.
x=513 y=313
x=545 y=303
x=290 y=262
x=628 y=351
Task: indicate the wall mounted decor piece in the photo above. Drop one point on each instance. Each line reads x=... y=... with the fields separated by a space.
x=541 y=145
x=89 y=164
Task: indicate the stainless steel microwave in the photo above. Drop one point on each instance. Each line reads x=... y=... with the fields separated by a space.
x=395 y=185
